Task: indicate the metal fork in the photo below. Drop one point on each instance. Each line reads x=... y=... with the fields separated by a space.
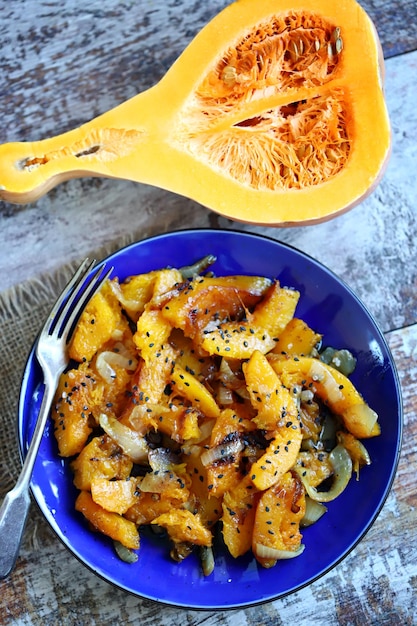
x=51 y=352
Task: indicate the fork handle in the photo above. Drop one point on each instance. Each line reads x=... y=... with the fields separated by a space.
x=15 y=506
x=13 y=515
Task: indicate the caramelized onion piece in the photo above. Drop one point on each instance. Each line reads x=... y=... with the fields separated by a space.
x=132 y=444
x=314 y=511
x=342 y=466
x=222 y=451
x=106 y=361
x=265 y=552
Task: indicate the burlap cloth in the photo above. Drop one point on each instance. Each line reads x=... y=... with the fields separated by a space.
x=23 y=310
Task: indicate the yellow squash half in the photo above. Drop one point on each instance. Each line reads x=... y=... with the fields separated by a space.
x=274 y=114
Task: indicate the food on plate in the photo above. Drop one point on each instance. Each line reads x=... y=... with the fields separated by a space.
x=274 y=114
x=196 y=404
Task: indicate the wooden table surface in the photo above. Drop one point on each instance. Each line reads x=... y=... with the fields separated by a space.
x=63 y=63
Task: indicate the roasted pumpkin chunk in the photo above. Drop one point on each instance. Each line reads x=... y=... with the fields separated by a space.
x=238 y=518
x=196 y=303
x=198 y=395
x=184 y=526
x=297 y=338
x=204 y=499
x=150 y=505
x=276 y=533
x=71 y=411
x=278 y=414
x=111 y=524
x=100 y=458
x=276 y=309
x=114 y=495
x=222 y=456
x=237 y=340
x=336 y=390
x=99 y=321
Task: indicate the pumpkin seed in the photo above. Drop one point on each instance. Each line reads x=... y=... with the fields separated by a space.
x=332 y=155
x=338 y=44
x=229 y=75
x=317 y=45
x=294 y=52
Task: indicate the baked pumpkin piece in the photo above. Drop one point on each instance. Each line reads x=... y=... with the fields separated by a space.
x=274 y=114
x=276 y=532
x=107 y=522
x=101 y=318
x=71 y=412
x=335 y=390
x=100 y=458
x=238 y=518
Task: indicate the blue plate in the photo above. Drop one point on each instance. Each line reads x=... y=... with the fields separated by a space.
x=329 y=307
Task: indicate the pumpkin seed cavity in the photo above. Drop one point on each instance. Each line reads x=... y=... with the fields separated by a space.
x=305 y=141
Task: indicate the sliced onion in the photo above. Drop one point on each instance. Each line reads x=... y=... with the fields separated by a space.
x=163 y=463
x=139 y=412
x=306 y=395
x=122 y=348
x=227 y=375
x=127 y=303
x=191 y=450
x=155 y=482
x=314 y=511
x=358 y=453
x=327 y=438
x=319 y=373
x=243 y=392
x=107 y=360
x=162 y=459
x=342 y=467
x=117 y=334
x=125 y=554
x=265 y=552
x=222 y=451
x=232 y=381
x=224 y=395
x=207 y=560
x=131 y=442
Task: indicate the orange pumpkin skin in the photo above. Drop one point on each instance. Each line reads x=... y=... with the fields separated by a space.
x=274 y=114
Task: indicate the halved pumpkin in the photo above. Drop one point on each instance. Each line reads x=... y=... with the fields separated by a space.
x=274 y=114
